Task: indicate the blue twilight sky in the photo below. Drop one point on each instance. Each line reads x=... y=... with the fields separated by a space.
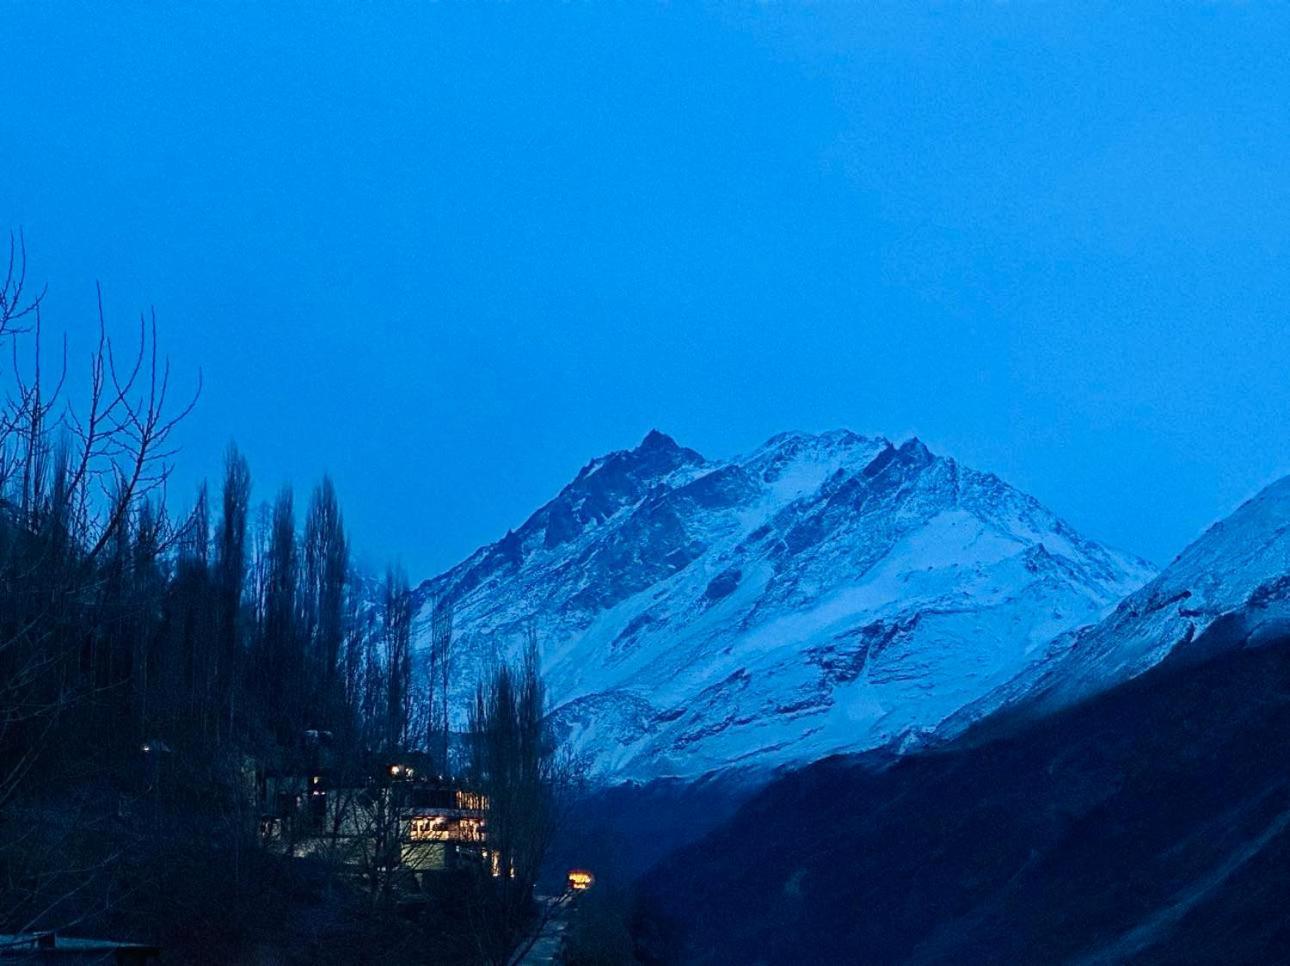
x=449 y=253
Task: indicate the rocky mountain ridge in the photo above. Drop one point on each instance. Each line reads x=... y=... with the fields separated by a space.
x=822 y=593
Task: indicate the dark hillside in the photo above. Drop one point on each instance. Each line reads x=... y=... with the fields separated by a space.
x=622 y=830
x=1148 y=824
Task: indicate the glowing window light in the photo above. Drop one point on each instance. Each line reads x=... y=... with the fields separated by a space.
x=445 y=828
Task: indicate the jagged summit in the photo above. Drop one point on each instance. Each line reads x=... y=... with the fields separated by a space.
x=656 y=451
x=656 y=439
x=824 y=592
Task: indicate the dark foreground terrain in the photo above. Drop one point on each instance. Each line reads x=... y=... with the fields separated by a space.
x=1149 y=824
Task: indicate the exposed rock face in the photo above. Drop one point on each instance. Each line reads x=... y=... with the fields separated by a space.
x=820 y=594
x=1230 y=588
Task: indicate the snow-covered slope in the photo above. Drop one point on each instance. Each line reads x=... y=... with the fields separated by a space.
x=820 y=594
x=1229 y=588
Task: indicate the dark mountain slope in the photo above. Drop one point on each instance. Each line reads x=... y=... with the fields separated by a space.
x=1146 y=824
x=622 y=830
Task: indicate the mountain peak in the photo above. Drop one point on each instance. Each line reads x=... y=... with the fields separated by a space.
x=915 y=447
x=830 y=437
x=823 y=592
x=656 y=439
x=660 y=454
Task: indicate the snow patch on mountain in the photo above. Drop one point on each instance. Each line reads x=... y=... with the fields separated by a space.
x=1229 y=588
x=822 y=593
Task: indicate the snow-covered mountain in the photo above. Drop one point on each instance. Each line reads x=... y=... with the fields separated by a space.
x=820 y=594
x=1230 y=588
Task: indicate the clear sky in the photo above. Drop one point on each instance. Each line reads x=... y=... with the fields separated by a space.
x=449 y=253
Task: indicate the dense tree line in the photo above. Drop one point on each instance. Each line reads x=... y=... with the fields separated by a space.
x=210 y=634
x=148 y=659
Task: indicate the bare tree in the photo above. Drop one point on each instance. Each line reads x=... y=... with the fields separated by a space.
x=398 y=657
x=326 y=572
x=70 y=479
x=81 y=528
x=513 y=763
x=230 y=574
x=438 y=680
x=281 y=664
x=357 y=633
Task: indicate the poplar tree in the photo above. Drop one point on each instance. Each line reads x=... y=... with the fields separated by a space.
x=398 y=656
x=326 y=572
x=230 y=572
